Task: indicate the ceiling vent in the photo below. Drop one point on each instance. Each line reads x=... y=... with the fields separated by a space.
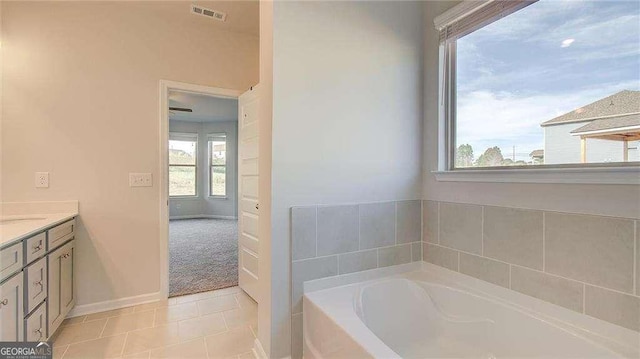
x=199 y=10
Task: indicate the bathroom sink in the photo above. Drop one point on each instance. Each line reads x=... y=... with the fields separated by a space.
x=16 y=220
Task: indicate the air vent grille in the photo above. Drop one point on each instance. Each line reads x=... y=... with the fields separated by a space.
x=199 y=10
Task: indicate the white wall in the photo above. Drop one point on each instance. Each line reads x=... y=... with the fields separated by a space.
x=81 y=101
x=203 y=204
x=609 y=200
x=346 y=117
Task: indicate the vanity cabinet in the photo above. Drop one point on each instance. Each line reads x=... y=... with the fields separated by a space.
x=37 y=288
x=11 y=312
x=61 y=284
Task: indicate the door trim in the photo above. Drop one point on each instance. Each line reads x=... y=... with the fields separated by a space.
x=163 y=183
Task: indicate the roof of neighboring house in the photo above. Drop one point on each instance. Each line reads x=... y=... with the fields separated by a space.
x=623 y=102
x=537 y=153
x=611 y=124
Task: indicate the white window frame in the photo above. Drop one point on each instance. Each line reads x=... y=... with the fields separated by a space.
x=593 y=173
x=185 y=136
x=210 y=138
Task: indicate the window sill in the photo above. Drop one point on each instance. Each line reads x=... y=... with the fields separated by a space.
x=218 y=197
x=587 y=175
x=184 y=197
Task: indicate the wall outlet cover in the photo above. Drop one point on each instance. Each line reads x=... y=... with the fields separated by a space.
x=42 y=180
x=140 y=180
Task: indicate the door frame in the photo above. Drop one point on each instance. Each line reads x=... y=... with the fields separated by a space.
x=163 y=183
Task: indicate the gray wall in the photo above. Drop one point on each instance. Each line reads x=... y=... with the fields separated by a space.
x=202 y=204
x=346 y=116
x=562 y=147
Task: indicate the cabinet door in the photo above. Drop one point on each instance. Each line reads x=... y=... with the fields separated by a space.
x=61 y=289
x=67 y=280
x=35 y=284
x=35 y=326
x=11 y=314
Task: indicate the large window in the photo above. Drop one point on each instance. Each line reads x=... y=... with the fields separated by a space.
x=218 y=165
x=183 y=159
x=551 y=82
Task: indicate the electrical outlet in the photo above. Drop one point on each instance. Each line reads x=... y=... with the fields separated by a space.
x=42 y=179
x=140 y=180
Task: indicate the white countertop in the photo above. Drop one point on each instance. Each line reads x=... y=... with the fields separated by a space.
x=32 y=218
x=27 y=225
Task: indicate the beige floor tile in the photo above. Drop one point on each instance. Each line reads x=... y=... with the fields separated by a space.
x=59 y=351
x=217 y=304
x=74 y=320
x=240 y=317
x=108 y=347
x=226 y=291
x=201 y=326
x=247 y=355
x=109 y=313
x=151 y=338
x=79 y=332
x=246 y=301
x=192 y=349
x=153 y=305
x=234 y=342
x=129 y=322
x=176 y=312
x=193 y=297
x=143 y=355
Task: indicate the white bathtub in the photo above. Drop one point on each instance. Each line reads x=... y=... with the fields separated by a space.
x=430 y=314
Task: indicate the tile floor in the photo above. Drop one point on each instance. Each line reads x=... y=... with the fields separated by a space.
x=217 y=324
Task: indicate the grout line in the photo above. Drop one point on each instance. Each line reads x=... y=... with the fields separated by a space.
x=124 y=345
x=104 y=327
x=206 y=347
x=65 y=351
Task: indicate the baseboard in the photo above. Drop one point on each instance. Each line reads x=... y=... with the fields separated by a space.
x=85 y=309
x=200 y=216
x=258 y=351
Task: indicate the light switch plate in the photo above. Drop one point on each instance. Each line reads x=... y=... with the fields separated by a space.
x=42 y=180
x=140 y=180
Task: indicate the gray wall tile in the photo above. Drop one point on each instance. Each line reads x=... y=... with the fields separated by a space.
x=513 y=235
x=416 y=252
x=441 y=256
x=461 y=226
x=485 y=269
x=592 y=249
x=614 y=307
x=357 y=261
x=409 y=221
x=303 y=232
x=430 y=221
x=394 y=255
x=296 y=336
x=377 y=225
x=337 y=229
x=309 y=269
x=556 y=290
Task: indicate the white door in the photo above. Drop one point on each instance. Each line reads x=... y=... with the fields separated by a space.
x=248 y=249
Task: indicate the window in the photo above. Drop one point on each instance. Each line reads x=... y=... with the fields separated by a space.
x=183 y=157
x=544 y=83
x=218 y=164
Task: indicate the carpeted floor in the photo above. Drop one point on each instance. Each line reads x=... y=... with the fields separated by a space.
x=203 y=255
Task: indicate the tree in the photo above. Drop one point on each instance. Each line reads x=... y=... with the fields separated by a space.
x=491 y=157
x=464 y=156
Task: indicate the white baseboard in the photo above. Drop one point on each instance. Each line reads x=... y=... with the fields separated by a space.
x=85 y=309
x=199 y=216
x=258 y=351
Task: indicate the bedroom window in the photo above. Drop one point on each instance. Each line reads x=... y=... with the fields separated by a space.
x=540 y=84
x=183 y=159
x=218 y=165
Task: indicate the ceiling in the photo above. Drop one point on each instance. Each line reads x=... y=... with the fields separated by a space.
x=205 y=108
x=242 y=15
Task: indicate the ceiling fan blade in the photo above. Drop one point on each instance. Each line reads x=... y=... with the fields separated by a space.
x=181 y=109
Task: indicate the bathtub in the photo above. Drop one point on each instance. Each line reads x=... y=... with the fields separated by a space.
x=431 y=313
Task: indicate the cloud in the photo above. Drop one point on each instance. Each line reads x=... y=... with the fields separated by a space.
x=567 y=42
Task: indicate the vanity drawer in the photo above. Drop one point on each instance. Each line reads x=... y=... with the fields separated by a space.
x=60 y=234
x=36 y=284
x=35 y=326
x=10 y=260
x=35 y=247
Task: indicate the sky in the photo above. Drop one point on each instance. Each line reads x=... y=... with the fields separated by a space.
x=541 y=62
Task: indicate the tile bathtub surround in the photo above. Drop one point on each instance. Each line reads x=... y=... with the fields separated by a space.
x=212 y=331
x=334 y=240
x=589 y=264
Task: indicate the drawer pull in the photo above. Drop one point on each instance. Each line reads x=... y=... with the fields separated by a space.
x=4 y=302
x=39 y=331
x=66 y=255
x=37 y=248
x=38 y=283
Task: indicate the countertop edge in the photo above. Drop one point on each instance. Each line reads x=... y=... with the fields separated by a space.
x=12 y=241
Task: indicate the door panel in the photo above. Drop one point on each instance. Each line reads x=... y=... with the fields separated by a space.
x=248 y=216
x=11 y=315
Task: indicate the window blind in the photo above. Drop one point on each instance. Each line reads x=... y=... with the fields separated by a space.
x=481 y=17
